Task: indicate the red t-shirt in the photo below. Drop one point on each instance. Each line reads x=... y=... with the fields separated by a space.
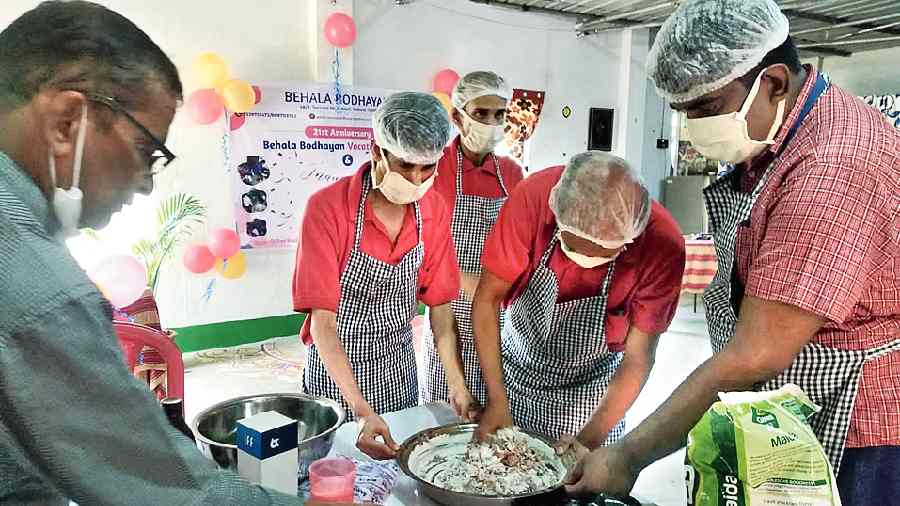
x=647 y=279
x=479 y=181
x=326 y=239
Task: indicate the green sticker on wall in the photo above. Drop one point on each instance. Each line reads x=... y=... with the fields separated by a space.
x=566 y=112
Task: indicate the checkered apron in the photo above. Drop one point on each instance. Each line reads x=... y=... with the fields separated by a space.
x=556 y=362
x=829 y=376
x=473 y=218
x=377 y=305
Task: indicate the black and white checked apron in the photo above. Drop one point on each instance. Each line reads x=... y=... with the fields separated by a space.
x=556 y=361
x=829 y=376
x=473 y=218
x=377 y=305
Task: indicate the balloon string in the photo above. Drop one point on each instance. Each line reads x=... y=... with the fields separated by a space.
x=207 y=293
x=336 y=72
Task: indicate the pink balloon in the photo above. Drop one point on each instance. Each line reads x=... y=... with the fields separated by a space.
x=340 y=30
x=445 y=80
x=204 y=106
x=258 y=93
x=121 y=278
x=198 y=259
x=237 y=120
x=224 y=242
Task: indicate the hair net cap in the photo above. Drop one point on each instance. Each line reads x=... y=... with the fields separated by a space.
x=412 y=126
x=706 y=44
x=479 y=84
x=599 y=197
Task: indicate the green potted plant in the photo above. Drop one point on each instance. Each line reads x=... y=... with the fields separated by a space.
x=175 y=219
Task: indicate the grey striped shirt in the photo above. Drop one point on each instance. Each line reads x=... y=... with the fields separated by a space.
x=74 y=423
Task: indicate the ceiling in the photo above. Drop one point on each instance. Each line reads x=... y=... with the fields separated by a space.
x=819 y=27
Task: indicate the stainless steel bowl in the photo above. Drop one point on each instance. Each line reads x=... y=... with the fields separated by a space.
x=553 y=495
x=550 y=497
x=318 y=420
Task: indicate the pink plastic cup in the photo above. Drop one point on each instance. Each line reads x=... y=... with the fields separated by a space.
x=332 y=480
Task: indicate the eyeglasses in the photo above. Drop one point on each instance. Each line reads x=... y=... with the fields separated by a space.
x=161 y=156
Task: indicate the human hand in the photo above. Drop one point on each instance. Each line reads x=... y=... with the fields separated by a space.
x=494 y=417
x=605 y=470
x=375 y=439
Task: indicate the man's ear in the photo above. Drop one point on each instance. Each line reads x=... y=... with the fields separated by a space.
x=60 y=113
x=779 y=78
x=456 y=117
x=376 y=152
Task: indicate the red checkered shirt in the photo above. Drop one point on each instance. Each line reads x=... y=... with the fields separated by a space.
x=825 y=236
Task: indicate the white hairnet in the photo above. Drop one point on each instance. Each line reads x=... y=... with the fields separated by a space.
x=479 y=84
x=706 y=44
x=412 y=126
x=599 y=197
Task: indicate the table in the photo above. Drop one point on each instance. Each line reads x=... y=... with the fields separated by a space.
x=699 y=267
x=404 y=424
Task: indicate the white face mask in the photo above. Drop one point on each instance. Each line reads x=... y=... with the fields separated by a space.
x=481 y=138
x=67 y=204
x=397 y=189
x=725 y=137
x=584 y=261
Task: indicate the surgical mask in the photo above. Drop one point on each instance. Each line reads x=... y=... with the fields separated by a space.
x=725 y=137
x=67 y=204
x=397 y=189
x=584 y=261
x=481 y=138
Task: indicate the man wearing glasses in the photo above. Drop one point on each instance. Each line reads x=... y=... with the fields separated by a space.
x=84 y=105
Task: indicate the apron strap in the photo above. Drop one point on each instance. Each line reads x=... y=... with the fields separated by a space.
x=545 y=258
x=360 y=210
x=884 y=349
x=418 y=220
x=607 y=281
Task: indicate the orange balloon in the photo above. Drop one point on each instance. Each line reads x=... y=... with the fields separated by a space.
x=233 y=267
x=444 y=99
x=238 y=95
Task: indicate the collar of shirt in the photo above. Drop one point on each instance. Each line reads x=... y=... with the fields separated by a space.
x=23 y=187
x=487 y=165
x=751 y=172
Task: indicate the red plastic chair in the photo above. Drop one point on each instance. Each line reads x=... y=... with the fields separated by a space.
x=133 y=337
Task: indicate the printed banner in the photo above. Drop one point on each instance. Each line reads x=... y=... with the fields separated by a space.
x=889 y=105
x=299 y=138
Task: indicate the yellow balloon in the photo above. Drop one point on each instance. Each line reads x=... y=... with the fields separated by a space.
x=232 y=268
x=444 y=99
x=210 y=70
x=238 y=95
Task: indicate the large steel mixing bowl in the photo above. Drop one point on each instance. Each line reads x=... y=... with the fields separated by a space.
x=318 y=420
x=554 y=495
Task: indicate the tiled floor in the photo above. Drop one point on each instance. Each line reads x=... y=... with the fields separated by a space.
x=214 y=376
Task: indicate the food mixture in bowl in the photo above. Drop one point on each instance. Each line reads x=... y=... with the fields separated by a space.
x=511 y=463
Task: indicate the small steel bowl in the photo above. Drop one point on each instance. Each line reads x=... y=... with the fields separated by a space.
x=318 y=420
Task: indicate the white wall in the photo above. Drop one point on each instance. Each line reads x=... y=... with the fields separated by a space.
x=264 y=43
x=402 y=47
x=867 y=73
x=655 y=162
x=399 y=47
